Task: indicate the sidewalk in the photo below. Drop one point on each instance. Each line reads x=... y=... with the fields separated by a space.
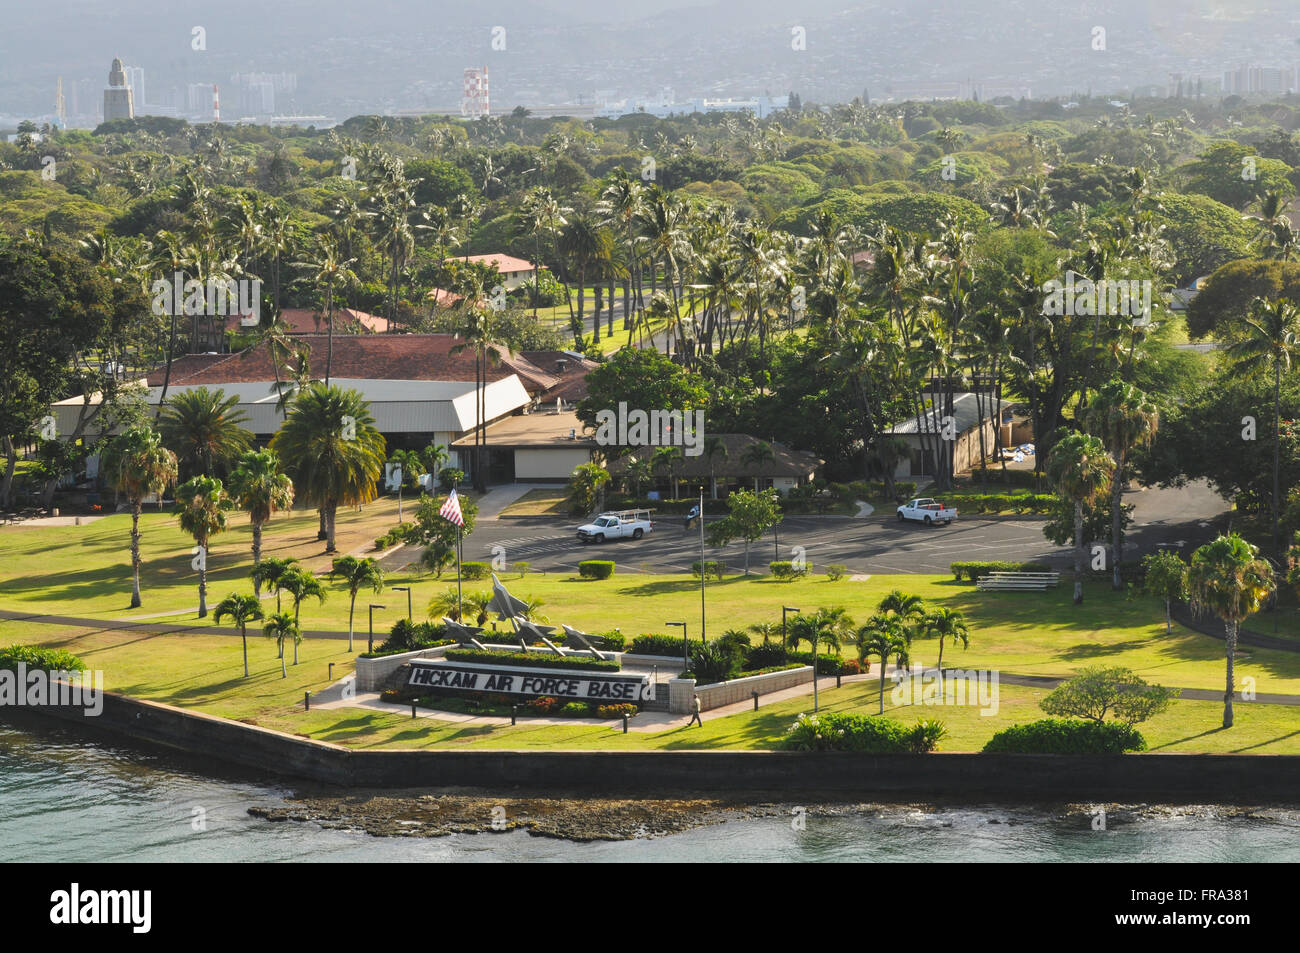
x=492 y=503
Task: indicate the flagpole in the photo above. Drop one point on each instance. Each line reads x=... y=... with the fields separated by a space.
x=459 y=610
x=703 y=568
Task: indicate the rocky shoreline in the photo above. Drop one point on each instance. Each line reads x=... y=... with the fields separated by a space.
x=417 y=814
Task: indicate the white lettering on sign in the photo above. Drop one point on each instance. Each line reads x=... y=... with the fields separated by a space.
x=622 y=688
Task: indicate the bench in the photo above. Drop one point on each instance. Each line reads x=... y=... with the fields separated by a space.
x=1019 y=581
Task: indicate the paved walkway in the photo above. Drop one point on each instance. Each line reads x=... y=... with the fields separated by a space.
x=492 y=503
x=58 y=521
x=864 y=509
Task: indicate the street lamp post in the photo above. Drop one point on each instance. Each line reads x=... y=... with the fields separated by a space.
x=407 y=590
x=370 y=647
x=686 y=646
x=784 y=610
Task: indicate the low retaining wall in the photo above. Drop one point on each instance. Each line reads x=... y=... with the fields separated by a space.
x=1243 y=779
x=373 y=673
x=717 y=695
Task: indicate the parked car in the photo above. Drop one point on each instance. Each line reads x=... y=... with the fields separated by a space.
x=926 y=510
x=624 y=524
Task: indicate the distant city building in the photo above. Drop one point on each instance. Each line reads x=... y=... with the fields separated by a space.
x=118 y=101
x=475 y=104
x=198 y=101
x=1258 y=79
x=664 y=105
x=135 y=79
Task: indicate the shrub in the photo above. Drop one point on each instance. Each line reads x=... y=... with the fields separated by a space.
x=406 y=636
x=1064 y=736
x=1007 y=503
x=1099 y=690
x=609 y=641
x=767 y=655
x=785 y=569
x=389 y=694
x=34 y=657
x=669 y=645
x=530 y=659
x=826 y=664
x=713 y=567
x=475 y=570
x=542 y=706
x=575 y=710
x=850 y=666
x=615 y=711
x=835 y=572
x=715 y=662
x=737 y=638
x=974 y=570
x=596 y=568
x=836 y=731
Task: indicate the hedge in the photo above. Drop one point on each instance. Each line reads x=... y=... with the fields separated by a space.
x=974 y=570
x=651 y=644
x=531 y=659
x=785 y=569
x=1067 y=736
x=475 y=570
x=1005 y=503
x=843 y=731
x=1013 y=478
x=714 y=567
x=381 y=652
x=616 y=711
x=596 y=568
x=610 y=641
x=34 y=658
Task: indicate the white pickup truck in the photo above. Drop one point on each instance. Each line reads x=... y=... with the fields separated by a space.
x=631 y=524
x=926 y=510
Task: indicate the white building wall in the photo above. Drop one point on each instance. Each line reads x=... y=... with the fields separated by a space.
x=549 y=464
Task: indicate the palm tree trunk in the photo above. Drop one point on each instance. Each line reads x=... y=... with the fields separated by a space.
x=1277 y=436
x=1169 y=617
x=329 y=348
x=941 y=655
x=243 y=637
x=1231 y=633
x=1116 y=523
x=331 y=509
x=203 y=583
x=1078 y=552
x=136 y=507
x=257 y=558
x=351 y=610
x=284 y=672
x=882 y=681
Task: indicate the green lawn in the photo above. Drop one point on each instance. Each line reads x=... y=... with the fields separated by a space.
x=544 y=501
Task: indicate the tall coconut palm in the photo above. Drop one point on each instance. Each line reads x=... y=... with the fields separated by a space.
x=201 y=508
x=331 y=450
x=1124 y=418
x=1270 y=344
x=269 y=572
x=241 y=610
x=475 y=332
x=204 y=429
x=301 y=584
x=280 y=627
x=137 y=464
x=714 y=446
x=1227 y=578
x=357 y=574
x=1081 y=470
x=257 y=485
x=756 y=456
x=884 y=637
x=948 y=625
x=330 y=269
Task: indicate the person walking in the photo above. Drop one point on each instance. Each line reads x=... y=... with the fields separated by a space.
x=695 y=712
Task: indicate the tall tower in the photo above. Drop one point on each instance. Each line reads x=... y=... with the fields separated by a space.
x=60 y=108
x=118 y=101
x=475 y=102
x=216 y=104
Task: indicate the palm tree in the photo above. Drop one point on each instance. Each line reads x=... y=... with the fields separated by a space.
x=269 y=572
x=829 y=625
x=280 y=627
x=137 y=464
x=884 y=637
x=907 y=608
x=667 y=458
x=241 y=610
x=332 y=451
x=1124 y=418
x=330 y=268
x=757 y=455
x=947 y=624
x=357 y=574
x=257 y=485
x=766 y=629
x=301 y=584
x=714 y=446
x=1227 y=577
x=476 y=333
x=1270 y=344
x=203 y=428
x=1081 y=470
x=201 y=509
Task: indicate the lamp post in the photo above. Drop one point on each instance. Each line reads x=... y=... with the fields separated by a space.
x=686 y=646
x=784 y=610
x=407 y=590
x=370 y=647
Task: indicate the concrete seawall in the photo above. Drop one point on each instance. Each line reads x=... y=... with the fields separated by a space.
x=1246 y=779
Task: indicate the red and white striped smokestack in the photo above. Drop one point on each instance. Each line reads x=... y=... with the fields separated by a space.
x=487 y=103
x=216 y=104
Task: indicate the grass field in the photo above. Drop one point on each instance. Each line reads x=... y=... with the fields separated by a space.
x=84 y=572
x=543 y=501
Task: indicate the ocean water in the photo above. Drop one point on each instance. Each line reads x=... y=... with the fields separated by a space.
x=64 y=797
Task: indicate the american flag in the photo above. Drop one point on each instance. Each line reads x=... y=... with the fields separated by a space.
x=451 y=509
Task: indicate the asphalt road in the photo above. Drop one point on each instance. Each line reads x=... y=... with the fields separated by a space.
x=877 y=544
